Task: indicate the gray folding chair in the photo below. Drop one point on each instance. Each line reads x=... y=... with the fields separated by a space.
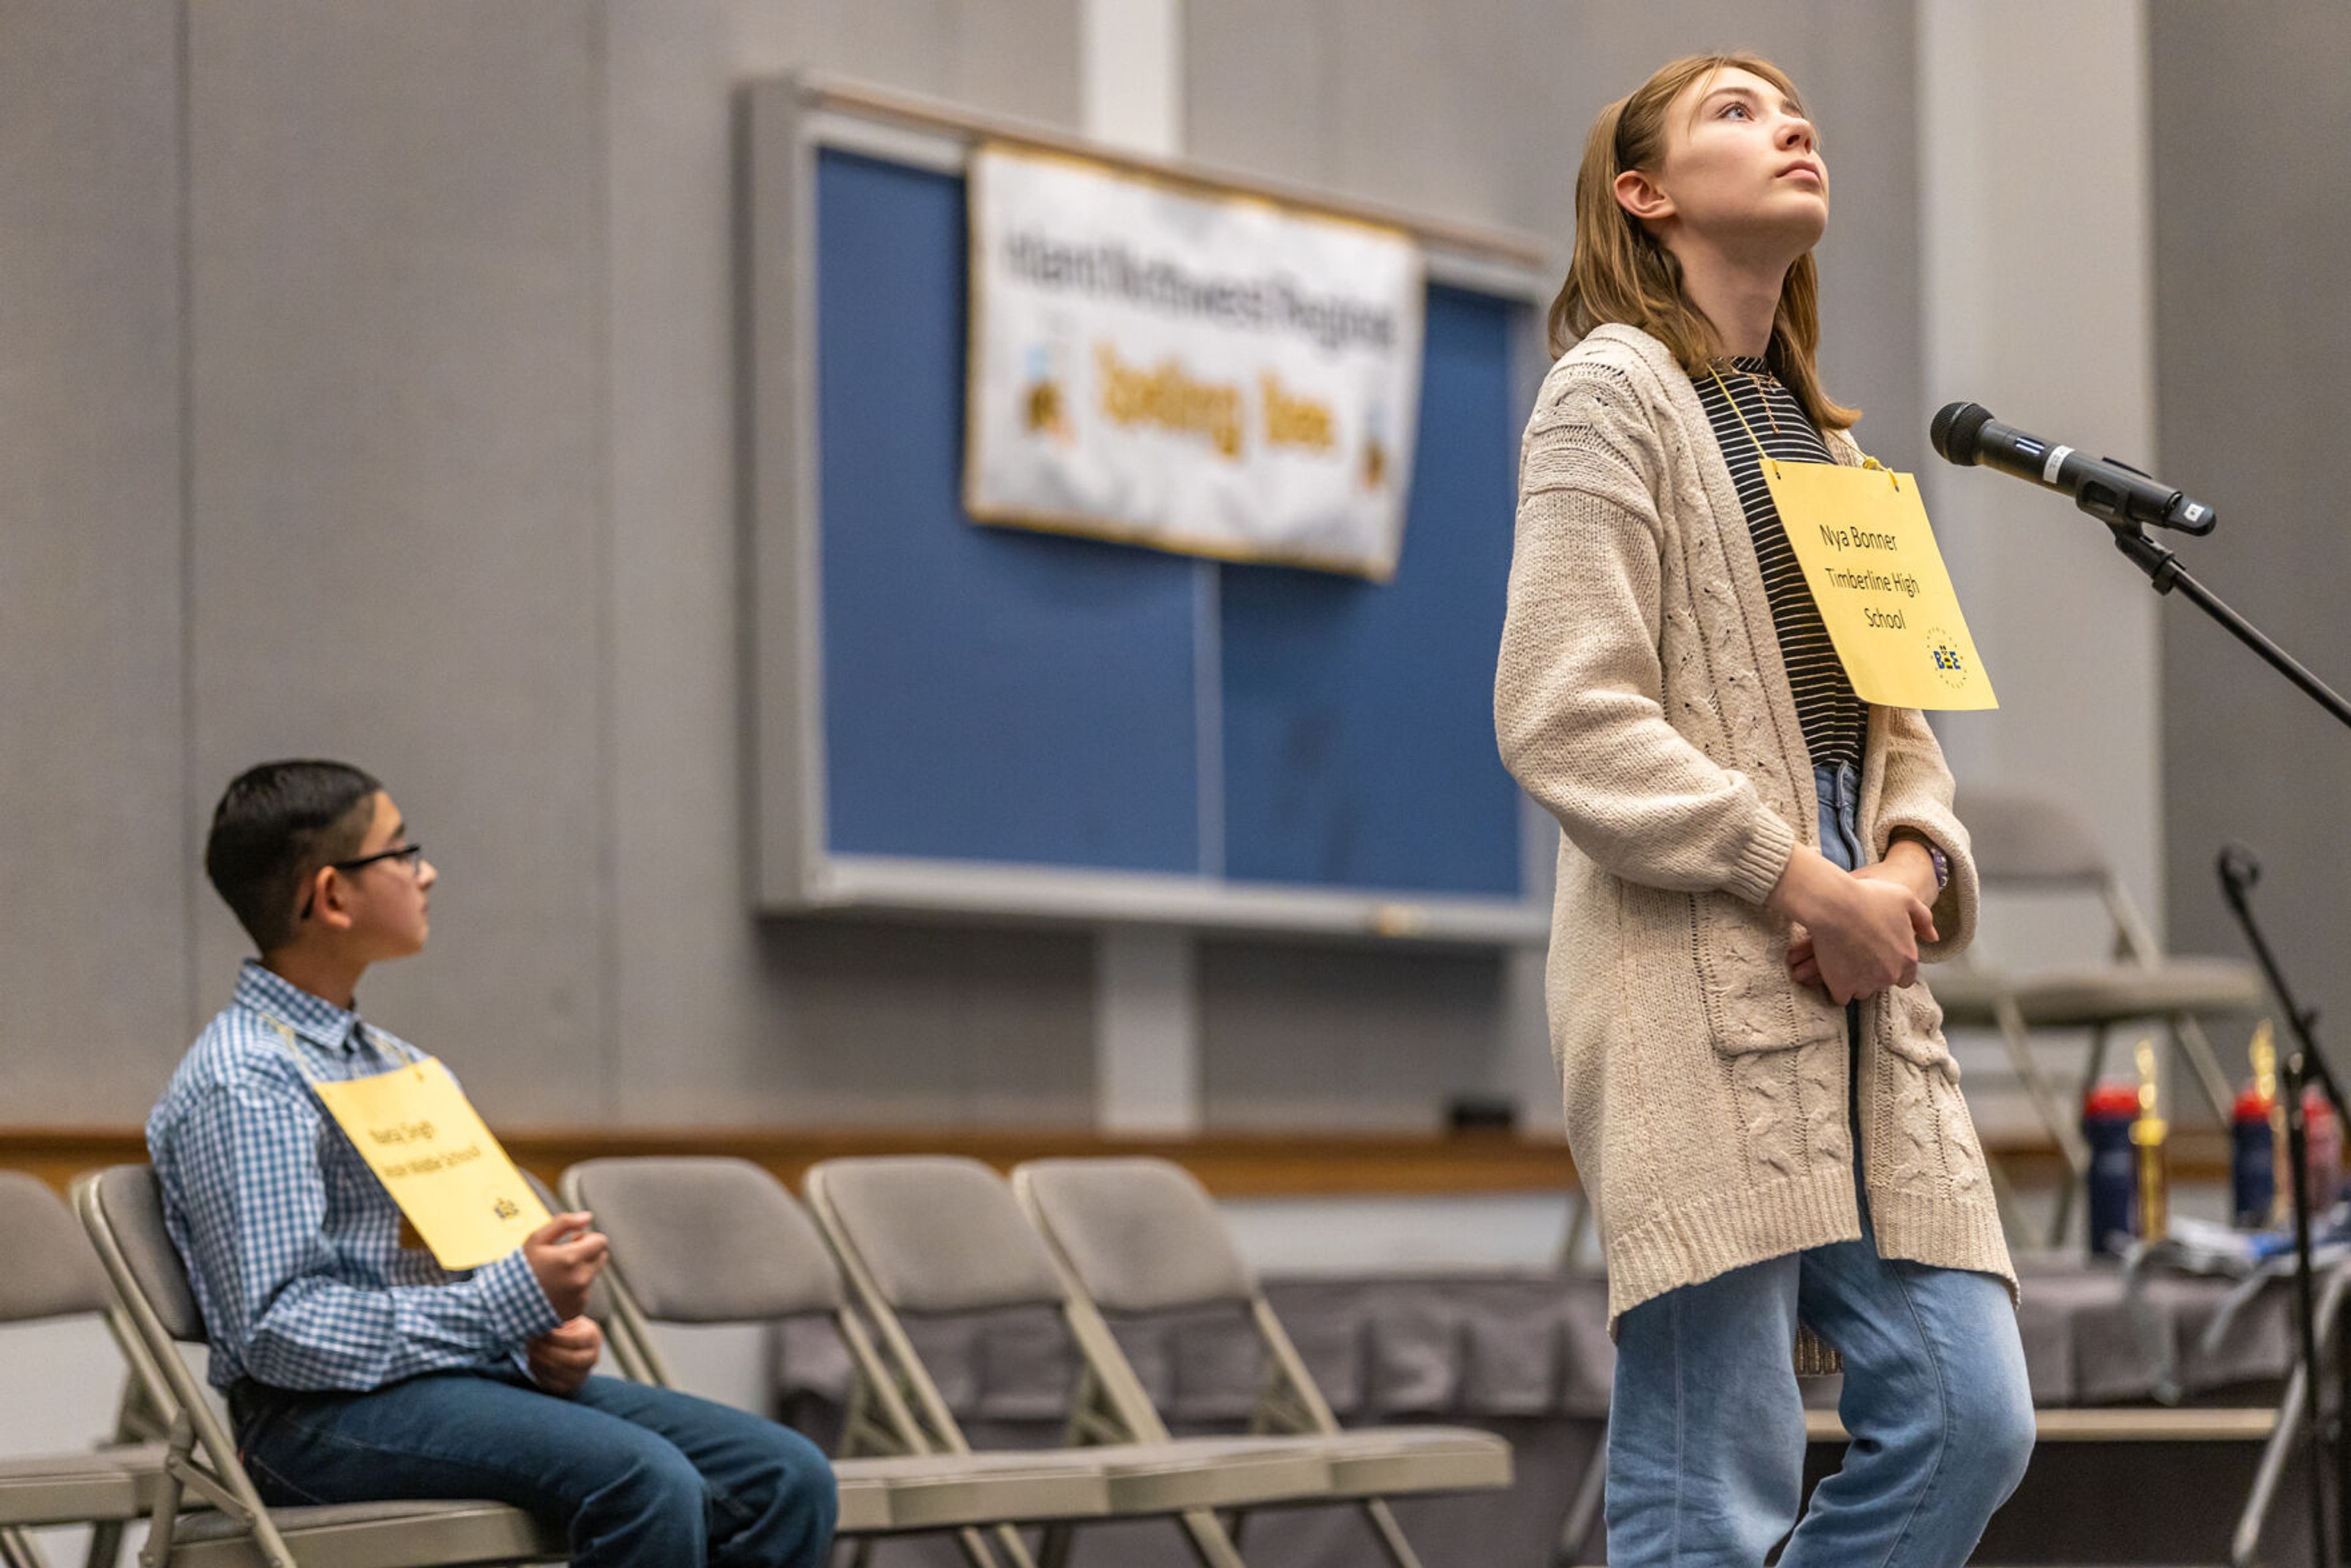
x=122 y=1210
x=937 y=1235
x=2027 y=843
x=1141 y=1236
x=46 y=1270
x=717 y=1241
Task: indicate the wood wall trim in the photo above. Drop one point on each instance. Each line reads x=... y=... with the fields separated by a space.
x=1230 y=1164
x=1255 y=1165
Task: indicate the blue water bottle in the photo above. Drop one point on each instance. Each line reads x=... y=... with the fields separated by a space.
x=2252 y=1161
x=2108 y=1112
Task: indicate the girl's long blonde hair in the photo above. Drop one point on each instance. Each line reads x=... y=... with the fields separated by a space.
x=1621 y=273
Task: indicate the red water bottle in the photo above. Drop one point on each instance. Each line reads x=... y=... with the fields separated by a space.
x=2323 y=1150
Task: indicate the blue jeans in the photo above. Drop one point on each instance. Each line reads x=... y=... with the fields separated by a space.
x=1706 y=1424
x=640 y=1476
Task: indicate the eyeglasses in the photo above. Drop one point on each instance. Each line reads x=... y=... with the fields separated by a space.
x=413 y=854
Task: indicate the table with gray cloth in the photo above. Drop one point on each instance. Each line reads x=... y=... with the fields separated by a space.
x=1525 y=1355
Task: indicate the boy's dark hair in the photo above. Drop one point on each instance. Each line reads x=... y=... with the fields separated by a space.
x=276 y=825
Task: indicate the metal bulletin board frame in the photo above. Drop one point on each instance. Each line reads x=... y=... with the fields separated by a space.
x=793 y=870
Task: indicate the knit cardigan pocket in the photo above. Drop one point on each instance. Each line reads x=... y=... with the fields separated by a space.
x=1915 y=1030
x=1752 y=1003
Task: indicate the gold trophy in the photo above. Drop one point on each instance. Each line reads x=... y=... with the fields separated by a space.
x=2264 y=1051
x=2147 y=1134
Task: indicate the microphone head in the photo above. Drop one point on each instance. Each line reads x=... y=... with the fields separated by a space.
x=1955 y=429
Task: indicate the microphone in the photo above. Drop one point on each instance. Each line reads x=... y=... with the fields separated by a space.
x=1966 y=433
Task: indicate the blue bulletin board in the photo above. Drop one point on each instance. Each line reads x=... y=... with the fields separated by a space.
x=960 y=719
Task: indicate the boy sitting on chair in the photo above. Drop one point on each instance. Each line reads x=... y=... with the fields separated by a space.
x=357 y=1368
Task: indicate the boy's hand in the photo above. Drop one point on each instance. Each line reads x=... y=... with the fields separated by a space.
x=566 y=1257
x=561 y=1358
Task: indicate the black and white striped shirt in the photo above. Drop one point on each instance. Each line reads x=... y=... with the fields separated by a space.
x=1834 y=719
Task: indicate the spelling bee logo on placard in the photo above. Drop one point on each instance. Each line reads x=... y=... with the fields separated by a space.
x=1164 y=363
x=1950 y=664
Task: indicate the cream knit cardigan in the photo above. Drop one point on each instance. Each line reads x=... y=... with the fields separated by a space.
x=1642 y=700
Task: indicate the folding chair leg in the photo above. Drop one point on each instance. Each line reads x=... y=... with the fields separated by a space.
x=18 y=1550
x=1575 y=1530
x=1579 y=1226
x=1053 y=1549
x=2046 y=1104
x=2188 y=1040
x=2097 y=1062
x=2004 y=1200
x=1383 y=1524
x=1209 y=1543
x=105 y=1544
x=973 y=1544
x=1015 y=1549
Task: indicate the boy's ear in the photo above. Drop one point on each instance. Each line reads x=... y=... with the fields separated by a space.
x=325 y=899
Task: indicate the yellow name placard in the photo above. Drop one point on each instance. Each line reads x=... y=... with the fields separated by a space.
x=1870 y=559
x=427 y=1144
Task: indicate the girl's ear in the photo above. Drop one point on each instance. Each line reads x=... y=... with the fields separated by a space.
x=1643 y=197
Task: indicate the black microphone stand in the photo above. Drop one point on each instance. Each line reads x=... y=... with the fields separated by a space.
x=2240 y=870
x=2166 y=574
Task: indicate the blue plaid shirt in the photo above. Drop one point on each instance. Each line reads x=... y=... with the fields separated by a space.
x=291 y=1242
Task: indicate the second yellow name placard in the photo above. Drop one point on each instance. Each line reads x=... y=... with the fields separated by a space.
x=421 y=1136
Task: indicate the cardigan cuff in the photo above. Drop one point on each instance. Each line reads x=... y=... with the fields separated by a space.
x=1764 y=860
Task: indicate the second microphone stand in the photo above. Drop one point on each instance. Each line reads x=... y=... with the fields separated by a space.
x=2304 y=1065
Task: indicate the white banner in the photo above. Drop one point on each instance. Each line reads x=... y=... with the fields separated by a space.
x=1173 y=366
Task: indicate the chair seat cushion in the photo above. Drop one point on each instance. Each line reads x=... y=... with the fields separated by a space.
x=939 y=1491
x=2103 y=993
x=1377 y=1461
x=376 y=1535
x=72 y=1488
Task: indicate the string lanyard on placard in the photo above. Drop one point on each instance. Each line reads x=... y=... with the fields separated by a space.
x=286 y=1034
x=425 y=1142
x=1869 y=561
x=1771 y=463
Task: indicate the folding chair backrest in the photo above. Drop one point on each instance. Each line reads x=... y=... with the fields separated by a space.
x=935 y=1233
x=1141 y=1235
x=708 y=1240
x=47 y=1269
x=599 y=1306
x=2025 y=839
x=130 y=1205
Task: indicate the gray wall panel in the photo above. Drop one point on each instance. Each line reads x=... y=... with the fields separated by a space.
x=2253 y=259
x=1353 y=1038
x=689 y=1029
x=1012 y=56
x=93 y=953
x=899 y=1025
x=399 y=488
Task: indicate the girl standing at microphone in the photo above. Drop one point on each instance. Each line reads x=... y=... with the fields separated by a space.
x=1753 y=863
